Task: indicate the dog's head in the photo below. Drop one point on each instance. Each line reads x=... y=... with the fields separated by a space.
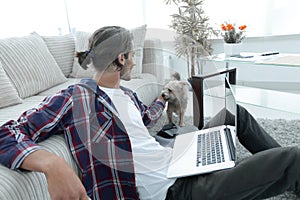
x=168 y=91
x=174 y=90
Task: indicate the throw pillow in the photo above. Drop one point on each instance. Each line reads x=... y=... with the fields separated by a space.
x=139 y=34
x=153 y=58
x=82 y=43
x=62 y=48
x=29 y=65
x=8 y=94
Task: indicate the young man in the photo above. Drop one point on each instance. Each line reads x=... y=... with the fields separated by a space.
x=105 y=128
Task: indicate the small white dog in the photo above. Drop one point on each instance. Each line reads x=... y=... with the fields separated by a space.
x=175 y=92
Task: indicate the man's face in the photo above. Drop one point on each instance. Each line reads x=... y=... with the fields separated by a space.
x=128 y=66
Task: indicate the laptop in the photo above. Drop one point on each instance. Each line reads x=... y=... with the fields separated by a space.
x=207 y=150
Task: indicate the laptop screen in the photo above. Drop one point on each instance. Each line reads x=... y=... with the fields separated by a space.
x=231 y=107
x=218 y=98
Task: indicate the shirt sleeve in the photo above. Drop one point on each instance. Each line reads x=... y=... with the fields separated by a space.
x=19 y=138
x=152 y=113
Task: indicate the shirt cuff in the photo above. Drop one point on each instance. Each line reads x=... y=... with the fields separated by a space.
x=162 y=102
x=24 y=153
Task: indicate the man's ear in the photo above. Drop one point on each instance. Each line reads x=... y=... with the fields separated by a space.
x=121 y=58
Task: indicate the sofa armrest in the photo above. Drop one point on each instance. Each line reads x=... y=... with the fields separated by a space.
x=26 y=185
x=153 y=61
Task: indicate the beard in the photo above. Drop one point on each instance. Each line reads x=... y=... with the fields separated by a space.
x=126 y=72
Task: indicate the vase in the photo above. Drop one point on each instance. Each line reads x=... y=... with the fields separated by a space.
x=232 y=49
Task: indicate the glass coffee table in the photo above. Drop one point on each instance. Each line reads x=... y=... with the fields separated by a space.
x=264 y=59
x=256 y=98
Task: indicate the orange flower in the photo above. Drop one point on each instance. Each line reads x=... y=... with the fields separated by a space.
x=233 y=34
x=230 y=27
x=243 y=27
x=224 y=28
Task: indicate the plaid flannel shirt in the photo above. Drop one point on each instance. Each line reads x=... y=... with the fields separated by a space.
x=94 y=133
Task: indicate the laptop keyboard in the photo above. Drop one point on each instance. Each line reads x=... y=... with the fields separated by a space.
x=209 y=149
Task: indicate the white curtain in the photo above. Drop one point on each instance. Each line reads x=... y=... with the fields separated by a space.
x=89 y=15
x=19 y=17
x=263 y=17
x=49 y=17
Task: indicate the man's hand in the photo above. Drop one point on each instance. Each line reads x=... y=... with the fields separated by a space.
x=63 y=183
x=161 y=98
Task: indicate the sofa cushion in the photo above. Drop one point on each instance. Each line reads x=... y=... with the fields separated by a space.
x=8 y=94
x=58 y=88
x=82 y=44
x=139 y=34
x=13 y=112
x=63 y=49
x=153 y=59
x=29 y=64
x=146 y=87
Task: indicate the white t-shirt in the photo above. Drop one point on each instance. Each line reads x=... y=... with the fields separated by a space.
x=150 y=159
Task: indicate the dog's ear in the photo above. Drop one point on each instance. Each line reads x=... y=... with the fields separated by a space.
x=186 y=84
x=175 y=76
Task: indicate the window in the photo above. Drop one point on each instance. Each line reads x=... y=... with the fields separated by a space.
x=90 y=15
x=19 y=18
x=52 y=17
x=263 y=17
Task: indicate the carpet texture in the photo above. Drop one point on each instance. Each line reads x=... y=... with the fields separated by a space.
x=286 y=132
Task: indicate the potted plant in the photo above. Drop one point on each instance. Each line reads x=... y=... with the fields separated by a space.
x=233 y=37
x=192 y=32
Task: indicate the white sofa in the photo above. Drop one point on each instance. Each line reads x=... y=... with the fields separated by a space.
x=34 y=66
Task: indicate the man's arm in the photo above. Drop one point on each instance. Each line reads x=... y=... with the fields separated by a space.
x=63 y=183
x=18 y=138
x=153 y=112
x=18 y=148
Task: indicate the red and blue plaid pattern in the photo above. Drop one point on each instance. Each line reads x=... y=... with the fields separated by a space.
x=94 y=133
